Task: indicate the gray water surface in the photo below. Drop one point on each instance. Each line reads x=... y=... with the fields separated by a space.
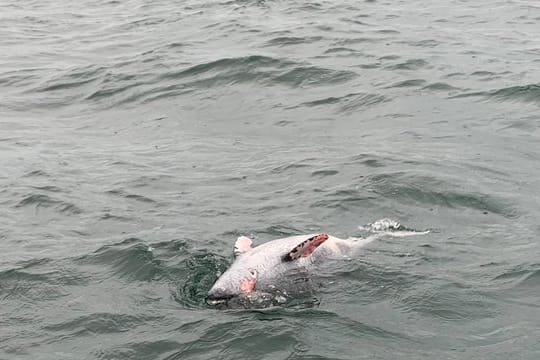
x=139 y=138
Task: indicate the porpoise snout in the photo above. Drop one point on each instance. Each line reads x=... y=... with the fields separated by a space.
x=217 y=296
x=217 y=292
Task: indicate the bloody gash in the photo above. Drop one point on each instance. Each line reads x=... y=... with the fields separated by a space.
x=272 y=268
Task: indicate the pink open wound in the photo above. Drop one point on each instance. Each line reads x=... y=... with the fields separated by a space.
x=306 y=247
x=248 y=284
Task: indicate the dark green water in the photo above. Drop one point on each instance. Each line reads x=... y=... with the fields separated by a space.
x=138 y=139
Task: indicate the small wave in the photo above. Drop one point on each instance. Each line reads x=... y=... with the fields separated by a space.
x=269 y=338
x=292 y=40
x=118 y=84
x=241 y=63
x=131 y=259
x=287 y=167
x=428 y=190
x=145 y=22
x=335 y=321
x=526 y=93
x=100 y=323
x=361 y=101
x=50 y=188
x=227 y=340
x=20 y=78
x=470 y=94
x=512 y=275
x=324 y=173
x=349 y=102
x=313 y=75
x=523 y=276
x=226 y=71
x=124 y=194
x=388 y=57
x=38 y=280
x=67 y=208
x=341 y=51
x=107 y=92
x=64 y=85
x=36 y=173
x=373 y=163
x=328 y=100
x=74 y=78
x=357 y=40
x=345 y=199
x=448 y=303
x=429 y=43
x=440 y=86
x=482 y=73
x=408 y=83
x=112 y=217
x=45 y=201
x=387 y=31
x=412 y=64
x=371 y=160
x=138 y=350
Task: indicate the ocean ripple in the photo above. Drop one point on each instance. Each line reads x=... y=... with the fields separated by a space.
x=432 y=191
x=39 y=201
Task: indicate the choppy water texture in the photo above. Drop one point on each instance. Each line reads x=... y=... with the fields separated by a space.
x=139 y=138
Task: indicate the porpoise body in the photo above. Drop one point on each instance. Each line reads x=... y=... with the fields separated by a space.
x=277 y=267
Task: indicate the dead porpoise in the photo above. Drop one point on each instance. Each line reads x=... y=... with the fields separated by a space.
x=278 y=270
x=271 y=270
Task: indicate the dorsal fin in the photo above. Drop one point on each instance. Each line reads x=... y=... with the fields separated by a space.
x=242 y=245
x=306 y=247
